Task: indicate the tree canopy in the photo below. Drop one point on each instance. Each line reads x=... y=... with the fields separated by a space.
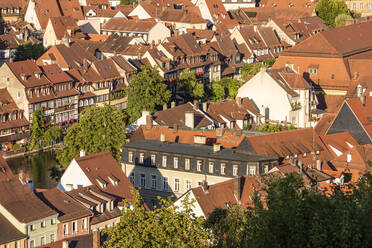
x=225 y=88
x=328 y=10
x=29 y=50
x=166 y=226
x=37 y=129
x=99 y=129
x=192 y=88
x=297 y=216
x=127 y=2
x=252 y=69
x=146 y=91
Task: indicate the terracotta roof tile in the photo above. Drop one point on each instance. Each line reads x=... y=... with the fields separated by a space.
x=8 y=232
x=30 y=70
x=123 y=24
x=46 y=9
x=15 y=197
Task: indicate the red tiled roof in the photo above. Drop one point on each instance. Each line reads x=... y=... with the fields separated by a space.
x=55 y=74
x=46 y=9
x=123 y=24
x=29 y=69
x=104 y=167
x=67 y=208
x=62 y=24
x=16 y=197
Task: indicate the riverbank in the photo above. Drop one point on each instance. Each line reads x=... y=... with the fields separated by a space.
x=17 y=154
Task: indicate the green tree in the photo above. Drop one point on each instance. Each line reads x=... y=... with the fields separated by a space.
x=193 y=89
x=328 y=10
x=250 y=70
x=127 y=2
x=225 y=88
x=269 y=128
x=269 y=62
x=37 y=129
x=341 y=19
x=52 y=134
x=146 y=91
x=29 y=50
x=99 y=129
x=166 y=226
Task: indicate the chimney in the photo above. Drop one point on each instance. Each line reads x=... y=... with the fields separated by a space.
x=204 y=185
x=173 y=104
x=65 y=244
x=189 y=119
x=162 y=137
x=82 y=153
x=220 y=131
x=216 y=147
x=237 y=189
x=148 y=122
x=200 y=139
x=363 y=99
x=205 y=106
x=96 y=239
x=175 y=128
x=238 y=100
x=318 y=164
x=238 y=132
x=196 y=104
x=165 y=106
x=359 y=90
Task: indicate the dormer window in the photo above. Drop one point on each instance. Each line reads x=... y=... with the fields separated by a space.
x=313 y=71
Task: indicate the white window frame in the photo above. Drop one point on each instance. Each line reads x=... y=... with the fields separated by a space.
x=140 y=181
x=132 y=178
x=175 y=162
x=153 y=159
x=141 y=157
x=188 y=184
x=211 y=167
x=65 y=230
x=41 y=238
x=187 y=163
x=165 y=186
x=75 y=224
x=199 y=165
x=164 y=161
x=130 y=156
x=235 y=170
x=176 y=189
x=152 y=181
x=223 y=169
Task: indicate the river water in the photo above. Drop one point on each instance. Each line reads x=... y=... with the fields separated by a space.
x=42 y=168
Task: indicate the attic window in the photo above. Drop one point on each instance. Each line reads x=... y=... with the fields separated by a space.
x=333 y=76
x=215 y=6
x=227 y=205
x=313 y=71
x=114 y=181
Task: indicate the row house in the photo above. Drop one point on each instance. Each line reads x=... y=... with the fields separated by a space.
x=34 y=87
x=73 y=218
x=149 y=30
x=161 y=168
x=10 y=10
x=13 y=124
x=261 y=42
x=39 y=223
x=178 y=53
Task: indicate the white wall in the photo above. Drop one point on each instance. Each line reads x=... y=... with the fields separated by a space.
x=266 y=93
x=73 y=175
x=31 y=16
x=232 y=6
x=202 y=5
x=140 y=12
x=158 y=32
x=195 y=208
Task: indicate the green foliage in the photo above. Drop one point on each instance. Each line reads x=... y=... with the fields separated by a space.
x=250 y=70
x=193 y=89
x=37 y=129
x=328 y=10
x=127 y=2
x=340 y=20
x=16 y=147
x=296 y=216
x=99 y=129
x=225 y=88
x=269 y=128
x=269 y=62
x=166 y=226
x=117 y=95
x=146 y=91
x=52 y=134
x=369 y=162
x=29 y=50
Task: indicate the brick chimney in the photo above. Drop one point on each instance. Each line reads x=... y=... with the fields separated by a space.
x=237 y=189
x=205 y=106
x=162 y=137
x=165 y=106
x=173 y=104
x=190 y=119
x=205 y=186
x=216 y=147
x=220 y=131
x=65 y=244
x=148 y=122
